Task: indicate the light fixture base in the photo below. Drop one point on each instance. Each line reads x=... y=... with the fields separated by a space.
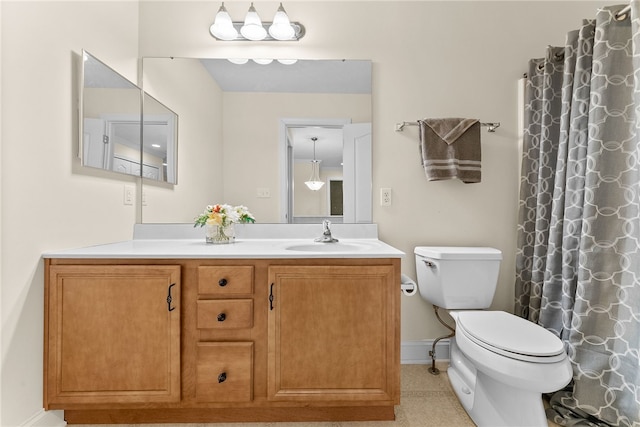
x=299 y=32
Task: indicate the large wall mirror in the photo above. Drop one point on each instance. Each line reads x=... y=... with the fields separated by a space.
x=248 y=132
x=112 y=137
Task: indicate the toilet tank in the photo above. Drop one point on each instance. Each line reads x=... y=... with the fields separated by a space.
x=457 y=278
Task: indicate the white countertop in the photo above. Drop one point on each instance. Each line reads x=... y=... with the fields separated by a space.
x=166 y=241
x=242 y=248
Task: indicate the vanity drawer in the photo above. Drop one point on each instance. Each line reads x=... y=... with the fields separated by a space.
x=224 y=372
x=225 y=314
x=225 y=280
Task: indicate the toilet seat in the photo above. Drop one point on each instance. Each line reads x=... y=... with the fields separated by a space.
x=510 y=336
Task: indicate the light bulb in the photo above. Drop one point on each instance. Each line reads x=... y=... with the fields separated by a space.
x=238 y=61
x=281 y=28
x=222 y=27
x=252 y=28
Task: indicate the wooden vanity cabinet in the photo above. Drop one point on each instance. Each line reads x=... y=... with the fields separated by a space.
x=112 y=334
x=240 y=340
x=329 y=329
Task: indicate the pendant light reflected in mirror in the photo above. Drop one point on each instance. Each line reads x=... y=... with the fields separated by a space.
x=314 y=182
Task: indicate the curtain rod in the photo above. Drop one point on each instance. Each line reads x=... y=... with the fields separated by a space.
x=492 y=126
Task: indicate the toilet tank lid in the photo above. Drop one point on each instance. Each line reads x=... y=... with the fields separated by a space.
x=458 y=252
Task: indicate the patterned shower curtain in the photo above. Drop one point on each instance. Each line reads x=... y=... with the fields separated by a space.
x=578 y=256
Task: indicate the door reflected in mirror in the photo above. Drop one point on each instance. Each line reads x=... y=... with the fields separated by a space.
x=159 y=141
x=340 y=152
x=111 y=107
x=317 y=160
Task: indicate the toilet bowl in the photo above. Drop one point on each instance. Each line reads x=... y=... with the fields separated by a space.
x=500 y=364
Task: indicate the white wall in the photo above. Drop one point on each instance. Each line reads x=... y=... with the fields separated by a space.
x=430 y=59
x=48 y=202
x=197 y=100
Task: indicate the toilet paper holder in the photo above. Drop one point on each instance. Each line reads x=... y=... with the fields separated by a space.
x=407 y=285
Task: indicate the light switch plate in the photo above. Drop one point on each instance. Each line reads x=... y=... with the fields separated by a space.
x=129 y=195
x=263 y=193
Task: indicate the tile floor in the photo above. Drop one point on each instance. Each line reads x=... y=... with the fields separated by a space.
x=426 y=401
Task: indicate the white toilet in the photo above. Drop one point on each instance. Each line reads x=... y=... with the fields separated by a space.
x=500 y=364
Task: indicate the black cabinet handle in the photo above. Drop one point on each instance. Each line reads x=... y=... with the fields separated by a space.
x=271 y=297
x=221 y=317
x=169 y=299
x=223 y=282
x=222 y=377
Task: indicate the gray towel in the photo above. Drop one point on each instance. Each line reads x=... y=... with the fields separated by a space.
x=450 y=148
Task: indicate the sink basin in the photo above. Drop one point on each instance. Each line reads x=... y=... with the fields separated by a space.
x=329 y=247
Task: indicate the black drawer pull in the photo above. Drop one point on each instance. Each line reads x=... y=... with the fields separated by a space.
x=222 y=282
x=222 y=377
x=221 y=317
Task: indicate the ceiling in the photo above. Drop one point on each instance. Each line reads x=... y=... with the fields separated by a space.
x=305 y=76
x=328 y=145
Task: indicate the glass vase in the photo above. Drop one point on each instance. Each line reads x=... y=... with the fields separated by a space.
x=219 y=234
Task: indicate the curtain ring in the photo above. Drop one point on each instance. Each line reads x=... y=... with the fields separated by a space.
x=622 y=14
x=559 y=56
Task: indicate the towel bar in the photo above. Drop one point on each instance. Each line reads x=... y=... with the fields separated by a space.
x=491 y=126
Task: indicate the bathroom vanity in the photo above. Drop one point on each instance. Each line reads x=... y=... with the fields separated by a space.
x=175 y=330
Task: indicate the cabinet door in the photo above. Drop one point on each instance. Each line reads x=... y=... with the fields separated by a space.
x=333 y=333
x=112 y=335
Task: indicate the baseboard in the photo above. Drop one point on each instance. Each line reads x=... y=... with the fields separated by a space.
x=417 y=352
x=45 y=419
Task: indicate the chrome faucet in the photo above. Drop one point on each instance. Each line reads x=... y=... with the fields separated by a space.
x=326 y=233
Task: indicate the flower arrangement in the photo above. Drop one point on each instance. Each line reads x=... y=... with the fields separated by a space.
x=224 y=215
x=219 y=220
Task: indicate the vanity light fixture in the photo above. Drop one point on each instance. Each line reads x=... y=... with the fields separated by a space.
x=281 y=28
x=222 y=27
x=314 y=182
x=253 y=29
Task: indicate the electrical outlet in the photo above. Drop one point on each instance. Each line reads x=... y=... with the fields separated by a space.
x=385 y=197
x=129 y=195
